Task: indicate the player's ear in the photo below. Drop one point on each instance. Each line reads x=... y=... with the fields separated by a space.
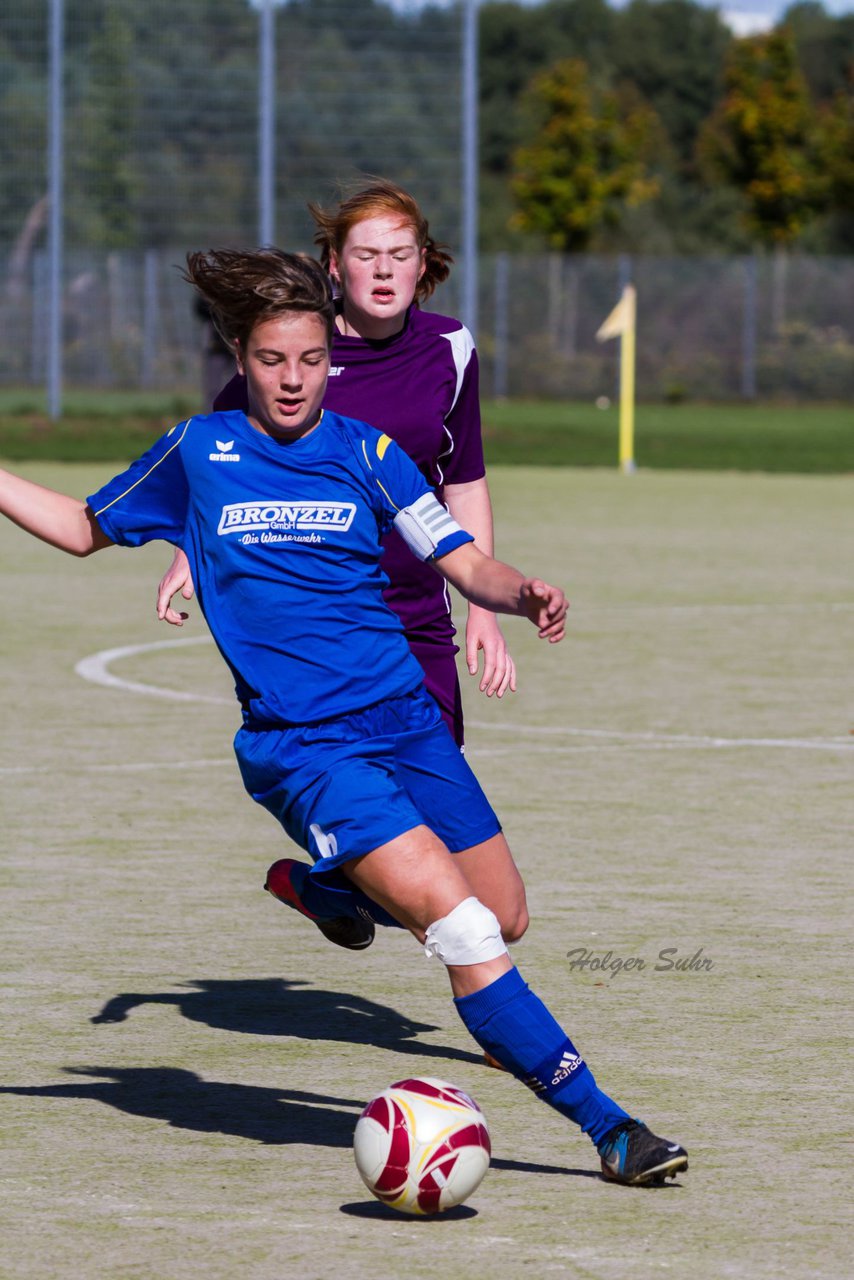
x=238 y=355
x=423 y=266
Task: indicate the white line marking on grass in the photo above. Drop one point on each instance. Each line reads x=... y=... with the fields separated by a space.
x=819 y=606
x=598 y=748
x=143 y=766
x=96 y=669
x=669 y=740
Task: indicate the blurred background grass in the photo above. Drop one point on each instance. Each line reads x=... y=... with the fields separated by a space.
x=114 y=426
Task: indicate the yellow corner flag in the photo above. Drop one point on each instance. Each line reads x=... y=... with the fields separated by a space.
x=621 y=324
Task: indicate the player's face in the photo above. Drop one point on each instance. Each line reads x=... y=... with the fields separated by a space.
x=379 y=266
x=286 y=363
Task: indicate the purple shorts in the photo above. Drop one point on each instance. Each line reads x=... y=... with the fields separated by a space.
x=442 y=682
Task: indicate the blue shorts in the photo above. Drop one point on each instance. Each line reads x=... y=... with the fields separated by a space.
x=347 y=786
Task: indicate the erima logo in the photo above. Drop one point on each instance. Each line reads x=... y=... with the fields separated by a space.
x=225 y=454
x=335 y=370
x=569 y=1062
x=303 y=517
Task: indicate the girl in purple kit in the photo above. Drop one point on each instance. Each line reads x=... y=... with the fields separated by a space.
x=414 y=375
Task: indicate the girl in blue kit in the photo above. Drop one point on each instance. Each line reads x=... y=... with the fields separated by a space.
x=414 y=374
x=280 y=512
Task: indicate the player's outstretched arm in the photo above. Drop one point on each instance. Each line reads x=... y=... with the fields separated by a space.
x=497 y=586
x=176 y=578
x=62 y=521
x=471 y=507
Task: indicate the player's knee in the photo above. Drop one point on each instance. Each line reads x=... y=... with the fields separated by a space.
x=469 y=934
x=514 y=923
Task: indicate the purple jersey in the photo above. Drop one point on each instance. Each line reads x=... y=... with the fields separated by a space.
x=421 y=388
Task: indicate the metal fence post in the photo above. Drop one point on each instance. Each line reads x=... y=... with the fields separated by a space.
x=748 y=330
x=55 y=193
x=266 y=123
x=469 y=128
x=150 y=324
x=501 y=326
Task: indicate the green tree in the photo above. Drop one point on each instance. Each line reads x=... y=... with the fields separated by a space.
x=762 y=139
x=835 y=134
x=23 y=138
x=515 y=43
x=674 y=52
x=102 y=136
x=825 y=48
x=585 y=162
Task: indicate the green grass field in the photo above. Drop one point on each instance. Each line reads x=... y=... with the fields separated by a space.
x=739 y=437
x=117 y=426
x=677 y=774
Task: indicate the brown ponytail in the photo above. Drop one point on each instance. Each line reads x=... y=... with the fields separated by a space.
x=244 y=287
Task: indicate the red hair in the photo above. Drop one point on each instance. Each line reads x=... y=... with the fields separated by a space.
x=380 y=199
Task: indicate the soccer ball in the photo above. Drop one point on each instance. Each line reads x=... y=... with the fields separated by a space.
x=422 y=1146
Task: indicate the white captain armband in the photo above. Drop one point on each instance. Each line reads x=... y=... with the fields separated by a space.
x=425 y=525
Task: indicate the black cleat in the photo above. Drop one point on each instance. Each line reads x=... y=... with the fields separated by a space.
x=633 y=1155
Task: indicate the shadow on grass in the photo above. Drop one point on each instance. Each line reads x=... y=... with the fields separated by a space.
x=524 y=1166
x=382 y=1212
x=374 y=1209
x=263 y=1006
x=273 y=1117
x=282 y=1007
x=185 y=1101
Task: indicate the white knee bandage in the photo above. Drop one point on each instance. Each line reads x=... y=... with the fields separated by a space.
x=467 y=935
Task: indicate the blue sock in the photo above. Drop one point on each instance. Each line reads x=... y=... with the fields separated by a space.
x=515 y=1027
x=328 y=899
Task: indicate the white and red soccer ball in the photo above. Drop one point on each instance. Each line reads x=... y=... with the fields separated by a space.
x=422 y=1146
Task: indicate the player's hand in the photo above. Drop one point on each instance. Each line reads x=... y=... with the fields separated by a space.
x=176 y=578
x=546 y=607
x=483 y=634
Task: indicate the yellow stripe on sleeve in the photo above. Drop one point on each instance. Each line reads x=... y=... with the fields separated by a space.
x=382 y=444
x=119 y=497
x=391 y=501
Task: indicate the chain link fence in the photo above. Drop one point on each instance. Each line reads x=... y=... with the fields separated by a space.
x=161 y=113
x=162 y=108
x=169 y=108
x=708 y=329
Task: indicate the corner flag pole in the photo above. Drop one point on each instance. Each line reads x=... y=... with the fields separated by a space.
x=622 y=323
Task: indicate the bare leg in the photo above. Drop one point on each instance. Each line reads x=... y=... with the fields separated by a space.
x=419 y=881
x=494 y=878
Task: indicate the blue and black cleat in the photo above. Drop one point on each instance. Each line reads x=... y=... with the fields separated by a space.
x=633 y=1155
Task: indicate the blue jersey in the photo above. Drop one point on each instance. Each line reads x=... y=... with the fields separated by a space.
x=283 y=540
x=421 y=387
